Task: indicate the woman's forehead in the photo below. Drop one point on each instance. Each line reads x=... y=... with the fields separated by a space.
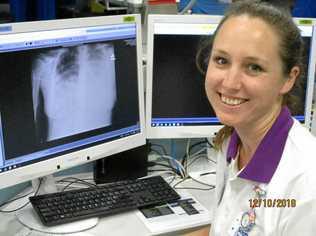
x=244 y=37
x=247 y=31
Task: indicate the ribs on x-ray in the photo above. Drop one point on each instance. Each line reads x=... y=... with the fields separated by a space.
x=74 y=88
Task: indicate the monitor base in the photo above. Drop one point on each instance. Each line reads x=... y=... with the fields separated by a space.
x=29 y=219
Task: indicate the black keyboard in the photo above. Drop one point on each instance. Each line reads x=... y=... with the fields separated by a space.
x=63 y=207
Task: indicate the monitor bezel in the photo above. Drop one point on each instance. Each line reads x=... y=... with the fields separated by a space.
x=312 y=77
x=85 y=155
x=310 y=71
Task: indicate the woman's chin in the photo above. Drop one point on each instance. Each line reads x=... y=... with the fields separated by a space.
x=229 y=121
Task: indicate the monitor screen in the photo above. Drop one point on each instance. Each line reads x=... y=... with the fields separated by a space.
x=176 y=102
x=71 y=92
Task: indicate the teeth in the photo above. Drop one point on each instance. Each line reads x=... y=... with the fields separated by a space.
x=232 y=101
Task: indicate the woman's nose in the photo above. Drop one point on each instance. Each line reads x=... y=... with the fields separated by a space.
x=232 y=78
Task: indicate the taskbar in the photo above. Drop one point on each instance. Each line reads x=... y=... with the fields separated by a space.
x=174 y=122
x=67 y=148
x=200 y=121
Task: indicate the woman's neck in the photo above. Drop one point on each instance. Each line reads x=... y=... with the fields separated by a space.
x=251 y=137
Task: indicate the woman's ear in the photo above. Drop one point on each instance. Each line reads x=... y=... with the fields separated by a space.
x=290 y=81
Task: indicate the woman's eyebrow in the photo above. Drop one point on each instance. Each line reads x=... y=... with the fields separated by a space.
x=220 y=51
x=257 y=59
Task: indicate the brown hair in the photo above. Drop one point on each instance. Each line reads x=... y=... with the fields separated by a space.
x=291 y=48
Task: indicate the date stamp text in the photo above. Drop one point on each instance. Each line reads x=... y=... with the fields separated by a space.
x=272 y=203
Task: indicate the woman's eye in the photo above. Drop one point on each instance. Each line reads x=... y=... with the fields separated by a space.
x=255 y=68
x=220 y=60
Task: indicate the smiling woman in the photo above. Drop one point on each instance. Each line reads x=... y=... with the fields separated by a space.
x=246 y=84
x=263 y=154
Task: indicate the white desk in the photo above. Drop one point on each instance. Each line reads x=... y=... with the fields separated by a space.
x=125 y=224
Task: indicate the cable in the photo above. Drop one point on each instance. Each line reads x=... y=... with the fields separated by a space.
x=181 y=168
x=181 y=181
x=173 y=179
x=157 y=152
x=157 y=170
x=187 y=156
x=199 y=154
x=211 y=187
x=196 y=144
x=160 y=154
x=160 y=146
x=24 y=205
x=76 y=180
x=203 y=183
x=195 y=188
x=211 y=160
x=152 y=163
x=210 y=144
x=84 y=181
x=197 y=157
x=180 y=171
x=190 y=149
x=190 y=156
x=165 y=172
x=172 y=161
x=15 y=199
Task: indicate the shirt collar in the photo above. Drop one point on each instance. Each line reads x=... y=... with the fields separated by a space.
x=266 y=158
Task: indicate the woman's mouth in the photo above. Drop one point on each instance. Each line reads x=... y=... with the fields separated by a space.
x=232 y=101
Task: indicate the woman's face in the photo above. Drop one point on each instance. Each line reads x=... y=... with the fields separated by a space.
x=244 y=80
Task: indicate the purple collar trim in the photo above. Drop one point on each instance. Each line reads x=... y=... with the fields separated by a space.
x=266 y=158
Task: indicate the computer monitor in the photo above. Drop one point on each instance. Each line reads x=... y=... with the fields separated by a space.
x=304 y=111
x=176 y=102
x=313 y=119
x=71 y=92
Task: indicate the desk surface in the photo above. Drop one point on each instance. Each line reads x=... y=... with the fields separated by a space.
x=116 y=225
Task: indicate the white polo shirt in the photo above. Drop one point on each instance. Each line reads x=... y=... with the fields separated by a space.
x=275 y=193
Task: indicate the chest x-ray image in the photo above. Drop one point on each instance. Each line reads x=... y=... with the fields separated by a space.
x=73 y=89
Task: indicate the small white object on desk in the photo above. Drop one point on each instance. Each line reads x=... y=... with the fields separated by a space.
x=183 y=214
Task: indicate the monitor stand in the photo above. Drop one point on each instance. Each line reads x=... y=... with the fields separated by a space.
x=29 y=218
